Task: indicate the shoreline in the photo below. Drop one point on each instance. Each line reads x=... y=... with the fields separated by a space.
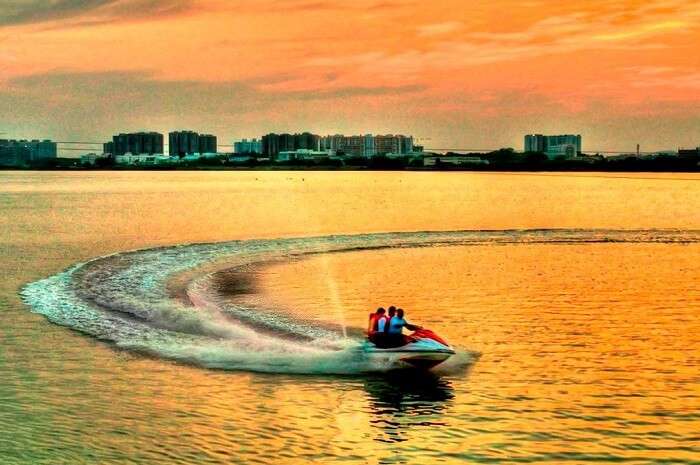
x=323 y=168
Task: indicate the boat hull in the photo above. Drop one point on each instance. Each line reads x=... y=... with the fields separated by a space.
x=423 y=354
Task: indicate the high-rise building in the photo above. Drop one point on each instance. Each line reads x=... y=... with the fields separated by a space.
x=248 y=146
x=534 y=143
x=41 y=150
x=108 y=148
x=353 y=146
x=273 y=144
x=386 y=144
x=22 y=152
x=270 y=144
x=207 y=143
x=181 y=143
x=306 y=141
x=368 y=149
x=368 y=145
x=567 y=145
x=335 y=142
x=138 y=143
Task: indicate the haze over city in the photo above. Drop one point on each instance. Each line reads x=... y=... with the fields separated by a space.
x=453 y=74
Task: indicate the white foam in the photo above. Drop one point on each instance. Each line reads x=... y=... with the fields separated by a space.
x=124 y=298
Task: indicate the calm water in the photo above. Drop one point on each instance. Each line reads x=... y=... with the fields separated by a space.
x=580 y=292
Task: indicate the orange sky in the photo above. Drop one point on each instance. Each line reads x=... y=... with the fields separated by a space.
x=453 y=73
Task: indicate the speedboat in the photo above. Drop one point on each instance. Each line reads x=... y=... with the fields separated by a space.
x=423 y=350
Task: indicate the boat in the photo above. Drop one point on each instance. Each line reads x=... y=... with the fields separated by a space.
x=423 y=350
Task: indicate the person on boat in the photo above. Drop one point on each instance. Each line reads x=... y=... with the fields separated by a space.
x=378 y=325
x=396 y=326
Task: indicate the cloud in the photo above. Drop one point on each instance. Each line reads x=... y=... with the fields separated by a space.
x=642 y=30
x=356 y=91
x=666 y=77
x=16 y=12
x=311 y=6
x=428 y=30
x=95 y=105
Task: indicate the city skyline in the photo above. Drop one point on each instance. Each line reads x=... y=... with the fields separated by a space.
x=451 y=74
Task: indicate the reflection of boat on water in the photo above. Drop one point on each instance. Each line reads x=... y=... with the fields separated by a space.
x=422 y=350
x=407 y=391
x=403 y=400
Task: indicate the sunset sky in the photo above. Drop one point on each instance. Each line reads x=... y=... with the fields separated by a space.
x=462 y=74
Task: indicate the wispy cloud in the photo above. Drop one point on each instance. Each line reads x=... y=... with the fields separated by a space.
x=643 y=28
x=666 y=77
x=436 y=29
x=17 y=12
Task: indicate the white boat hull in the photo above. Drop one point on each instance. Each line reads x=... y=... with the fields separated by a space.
x=422 y=354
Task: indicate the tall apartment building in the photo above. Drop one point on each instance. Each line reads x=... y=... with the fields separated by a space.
x=368 y=145
x=273 y=144
x=138 y=143
x=22 y=152
x=567 y=145
x=207 y=143
x=181 y=143
x=248 y=146
x=108 y=148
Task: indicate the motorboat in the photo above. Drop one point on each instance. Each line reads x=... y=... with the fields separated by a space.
x=421 y=350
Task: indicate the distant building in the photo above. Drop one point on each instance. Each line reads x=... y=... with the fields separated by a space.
x=181 y=143
x=386 y=144
x=307 y=141
x=242 y=157
x=273 y=144
x=302 y=154
x=368 y=145
x=43 y=149
x=91 y=158
x=335 y=142
x=248 y=146
x=454 y=160
x=355 y=146
x=207 y=143
x=23 y=152
x=567 y=145
x=144 y=159
x=108 y=148
x=13 y=153
x=138 y=143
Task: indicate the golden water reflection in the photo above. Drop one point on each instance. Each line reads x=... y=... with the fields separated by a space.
x=589 y=351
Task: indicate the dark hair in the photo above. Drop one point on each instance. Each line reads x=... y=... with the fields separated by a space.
x=380 y=310
x=400 y=312
x=392 y=310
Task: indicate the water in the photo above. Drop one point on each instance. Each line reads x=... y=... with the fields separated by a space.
x=215 y=317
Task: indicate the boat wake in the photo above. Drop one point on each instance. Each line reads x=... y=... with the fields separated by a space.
x=166 y=301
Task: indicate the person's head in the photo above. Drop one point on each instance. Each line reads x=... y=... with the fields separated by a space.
x=392 y=311
x=399 y=313
x=380 y=311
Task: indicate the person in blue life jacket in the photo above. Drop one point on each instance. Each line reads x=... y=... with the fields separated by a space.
x=396 y=325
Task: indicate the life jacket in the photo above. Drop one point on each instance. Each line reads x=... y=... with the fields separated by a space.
x=374 y=323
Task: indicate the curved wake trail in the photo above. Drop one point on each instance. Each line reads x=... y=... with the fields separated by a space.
x=129 y=298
